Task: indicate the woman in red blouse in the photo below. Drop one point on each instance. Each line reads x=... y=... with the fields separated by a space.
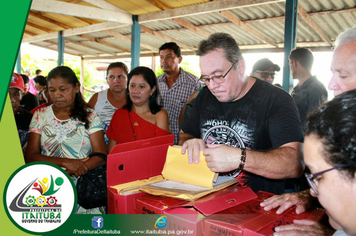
x=141 y=117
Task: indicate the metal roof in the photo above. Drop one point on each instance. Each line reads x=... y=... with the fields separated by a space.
x=102 y=28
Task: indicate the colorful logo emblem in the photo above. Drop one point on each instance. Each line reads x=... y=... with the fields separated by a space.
x=39 y=197
x=161 y=222
x=97 y=222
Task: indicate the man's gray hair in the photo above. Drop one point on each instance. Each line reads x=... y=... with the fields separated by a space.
x=346 y=37
x=224 y=41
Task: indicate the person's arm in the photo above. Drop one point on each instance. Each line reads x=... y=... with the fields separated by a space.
x=302 y=200
x=33 y=153
x=280 y=163
x=98 y=145
x=188 y=101
x=162 y=120
x=93 y=101
x=111 y=144
x=113 y=129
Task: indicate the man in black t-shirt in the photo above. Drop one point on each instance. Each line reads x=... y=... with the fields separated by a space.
x=242 y=123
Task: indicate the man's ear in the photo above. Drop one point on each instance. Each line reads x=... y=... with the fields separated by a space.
x=241 y=66
x=180 y=59
x=294 y=62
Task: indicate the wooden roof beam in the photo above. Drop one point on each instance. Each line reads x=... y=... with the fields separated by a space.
x=83 y=44
x=103 y=42
x=192 y=27
x=39 y=27
x=159 y=4
x=42 y=17
x=80 y=52
x=180 y=21
x=128 y=39
x=77 y=10
x=314 y=25
x=75 y=31
x=241 y=24
x=214 y=6
x=89 y=21
x=29 y=33
x=105 y=5
x=165 y=37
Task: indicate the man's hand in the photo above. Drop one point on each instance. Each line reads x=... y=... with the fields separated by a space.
x=193 y=146
x=305 y=228
x=222 y=158
x=302 y=200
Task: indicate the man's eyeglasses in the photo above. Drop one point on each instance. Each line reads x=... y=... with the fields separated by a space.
x=266 y=74
x=217 y=78
x=314 y=182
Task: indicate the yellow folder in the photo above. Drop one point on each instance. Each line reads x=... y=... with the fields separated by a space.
x=177 y=168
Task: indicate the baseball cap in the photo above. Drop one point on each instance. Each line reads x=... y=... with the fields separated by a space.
x=17 y=82
x=264 y=64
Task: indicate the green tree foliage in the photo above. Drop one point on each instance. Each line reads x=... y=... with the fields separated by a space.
x=88 y=78
x=46 y=65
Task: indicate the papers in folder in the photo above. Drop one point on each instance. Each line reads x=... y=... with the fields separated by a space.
x=177 y=168
x=187 y=181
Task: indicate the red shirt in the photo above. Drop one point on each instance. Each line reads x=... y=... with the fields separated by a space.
x=124 y=126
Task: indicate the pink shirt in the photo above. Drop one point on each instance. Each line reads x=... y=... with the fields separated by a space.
x=32 y=87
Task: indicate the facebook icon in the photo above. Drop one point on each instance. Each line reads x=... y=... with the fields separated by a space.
x=97 y=222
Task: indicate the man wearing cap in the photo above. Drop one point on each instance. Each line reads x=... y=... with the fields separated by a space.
x=309 y=93
x=264 y=69
x=22 y=117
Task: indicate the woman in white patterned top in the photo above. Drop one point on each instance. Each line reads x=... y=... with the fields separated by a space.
x=67 y=131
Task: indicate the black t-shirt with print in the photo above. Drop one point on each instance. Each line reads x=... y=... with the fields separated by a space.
x=264 y=119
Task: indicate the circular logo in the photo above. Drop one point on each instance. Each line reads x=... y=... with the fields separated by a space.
x=39 y=197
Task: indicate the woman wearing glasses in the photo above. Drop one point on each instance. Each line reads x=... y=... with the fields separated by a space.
x=330 y=154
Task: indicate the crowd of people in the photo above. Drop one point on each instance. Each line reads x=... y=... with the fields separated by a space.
x=246 y=126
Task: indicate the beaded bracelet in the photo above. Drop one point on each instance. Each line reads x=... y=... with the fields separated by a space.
x=242 y=163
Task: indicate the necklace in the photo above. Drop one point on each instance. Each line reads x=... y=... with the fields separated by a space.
x=136 y=124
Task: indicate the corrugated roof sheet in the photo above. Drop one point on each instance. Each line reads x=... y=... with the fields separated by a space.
x=257 y=24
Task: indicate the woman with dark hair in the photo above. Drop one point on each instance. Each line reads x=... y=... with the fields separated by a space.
x=330 y=153
x=67 y=131
x=141 y=117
